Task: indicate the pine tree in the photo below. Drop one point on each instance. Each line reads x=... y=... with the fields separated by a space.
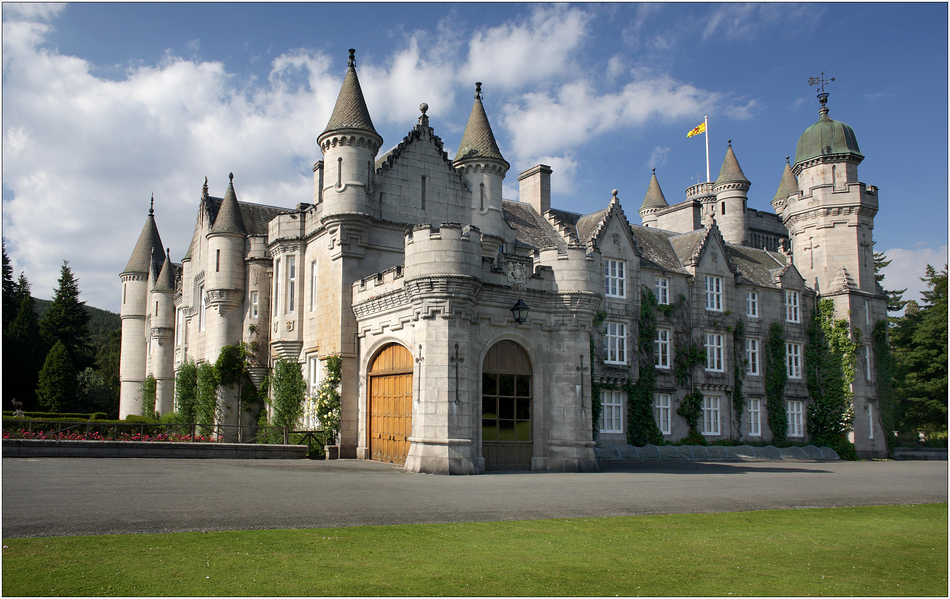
x=23 y=351
x=57 y=388
x=919 y=342
x=10 y=303
x=67 y=320
x=895 y=297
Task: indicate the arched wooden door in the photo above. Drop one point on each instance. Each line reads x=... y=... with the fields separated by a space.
x=390 y=404
x=506 y=408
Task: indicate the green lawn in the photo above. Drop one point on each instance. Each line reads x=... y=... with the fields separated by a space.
x=881 y=550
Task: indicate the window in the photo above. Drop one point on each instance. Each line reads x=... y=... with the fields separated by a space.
x=867 y=362
x=714 y=352
x=217 y=261
x=661 y=348
x=791 y=306
x=201 y=307
x=714 y=293
x=661 y=411
x=793 y=360
x=313 y=285
x=180 y=327
x=662 y=285
x=291 y=282
x=710 y=415
x=277 y=286
x=870 y=413
x=752 y=357
x=422 y=203
x=615 y=343
x=755 y=417
x=123 y=292
x=255 y=304
x=867 y=313
x=752 y=304
x=614 y=278
x=611 y=419
x=795 y=428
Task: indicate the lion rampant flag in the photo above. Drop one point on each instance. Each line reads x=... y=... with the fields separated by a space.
x=701 y=128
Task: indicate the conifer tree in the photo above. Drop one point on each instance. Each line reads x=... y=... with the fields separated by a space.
x=67 y=320
x=57 y=388
x=10 y=303
x=23 y=350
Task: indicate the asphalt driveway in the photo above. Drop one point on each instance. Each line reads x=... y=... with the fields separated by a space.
x=86 y=496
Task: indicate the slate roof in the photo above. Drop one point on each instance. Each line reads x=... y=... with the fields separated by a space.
x=228 y=218
x=254 y=216
x=148 y=244
x=531 y=229
x=656 y=249
x=788 y=185
x=166 y=278
x=730 y=172
x=654 y=197
x=478 y=141
x=758 y=267
x=350 y=111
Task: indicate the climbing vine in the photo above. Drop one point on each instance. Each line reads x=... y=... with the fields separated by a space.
x=149 y=393
x=596 y=403
x=206 y=399
x=739 y=365
x=289 y=389
x=641 y=426
x=830 y=360
x=884 y=372
x=328 y=399
x=776 y=375
x=186 y=390
x=691 y=408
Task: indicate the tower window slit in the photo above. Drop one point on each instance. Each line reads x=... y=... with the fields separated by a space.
x=339 y=172
x=423 y=192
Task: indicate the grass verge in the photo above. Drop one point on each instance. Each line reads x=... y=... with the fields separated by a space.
x=867 y=551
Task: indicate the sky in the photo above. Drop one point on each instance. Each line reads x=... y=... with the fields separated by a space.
x=108 y=104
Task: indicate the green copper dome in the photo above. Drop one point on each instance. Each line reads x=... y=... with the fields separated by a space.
x=827 y=137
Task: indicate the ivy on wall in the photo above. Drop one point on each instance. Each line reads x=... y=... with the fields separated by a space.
x=641 y=426
x=328 y=398
x=206 y=399
x=776 y=375
x=149 y=393
x=691 y=408
x=289 y=388
x=883 y=364
x=739 y=366
x=186 y=391
x=829 y=372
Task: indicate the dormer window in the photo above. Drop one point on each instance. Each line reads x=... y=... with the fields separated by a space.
x=614 y=278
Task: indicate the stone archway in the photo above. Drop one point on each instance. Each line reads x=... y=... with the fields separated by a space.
x=507 y=390
x=390 y=404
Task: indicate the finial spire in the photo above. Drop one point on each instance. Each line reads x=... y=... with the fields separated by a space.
x=820 y=81
x=230 y=177
x=478 y=90
x=352 y=61
x=423 y=120
x=151 y=206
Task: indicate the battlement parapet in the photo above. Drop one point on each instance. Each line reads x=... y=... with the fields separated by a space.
x=450 y=249
x=575 y=270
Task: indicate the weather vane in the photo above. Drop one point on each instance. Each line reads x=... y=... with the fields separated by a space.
x=820 y=81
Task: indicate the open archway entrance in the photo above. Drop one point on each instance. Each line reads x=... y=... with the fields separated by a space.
x=390 y=404
x=506 y=408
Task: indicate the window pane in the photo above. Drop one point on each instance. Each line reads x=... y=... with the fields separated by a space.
x=489 y=409
x=506 y=384
x=506 y=430
x=506 y=408
x=523 y=386
x=524 y=408
x=490 y=384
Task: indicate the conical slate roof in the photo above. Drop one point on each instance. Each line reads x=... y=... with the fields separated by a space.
x=229 y=215
x=730 y=172
x=654 y=197
x=149 y=241
x=350 y=111
x=166 y=278
x=789 y=184
x=478 y=141
x=827 y=137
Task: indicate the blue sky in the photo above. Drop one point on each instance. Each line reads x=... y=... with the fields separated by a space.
x=105 y=104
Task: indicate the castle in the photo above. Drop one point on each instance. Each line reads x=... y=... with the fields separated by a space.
x=474 y=331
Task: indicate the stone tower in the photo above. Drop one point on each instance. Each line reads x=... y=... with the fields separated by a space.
x=653 y=202
x=134 y=307
x=483 y=169
x=829 y=215
x=161 y=324
x=731 y=189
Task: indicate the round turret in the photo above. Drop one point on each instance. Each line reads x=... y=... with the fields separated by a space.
x=731 y=190
x=349 y=144
x=450 y=250
x=226 y=240
x=652 y=203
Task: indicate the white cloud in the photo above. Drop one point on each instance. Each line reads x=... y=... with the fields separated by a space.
x=908 y=266
x=659 y=156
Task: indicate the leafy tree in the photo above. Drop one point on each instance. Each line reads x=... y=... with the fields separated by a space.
x=67 y=320
x=919 y=341
x=57 y=387
x=93 y=393
x=23 y=350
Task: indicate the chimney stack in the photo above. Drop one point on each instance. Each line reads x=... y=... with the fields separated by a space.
x=534 y=187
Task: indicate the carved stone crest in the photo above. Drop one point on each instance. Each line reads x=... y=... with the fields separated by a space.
x=517 y=273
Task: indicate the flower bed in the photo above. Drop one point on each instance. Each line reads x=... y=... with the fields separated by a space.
x=74 y=435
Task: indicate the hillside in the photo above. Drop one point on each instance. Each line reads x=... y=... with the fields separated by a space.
x=101 y=322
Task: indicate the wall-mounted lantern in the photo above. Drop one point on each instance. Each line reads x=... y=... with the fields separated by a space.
x=520 y=311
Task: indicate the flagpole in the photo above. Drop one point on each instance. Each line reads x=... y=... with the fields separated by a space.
x=706 y=127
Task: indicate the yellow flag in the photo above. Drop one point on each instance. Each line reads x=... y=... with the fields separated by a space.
x=699 y=129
